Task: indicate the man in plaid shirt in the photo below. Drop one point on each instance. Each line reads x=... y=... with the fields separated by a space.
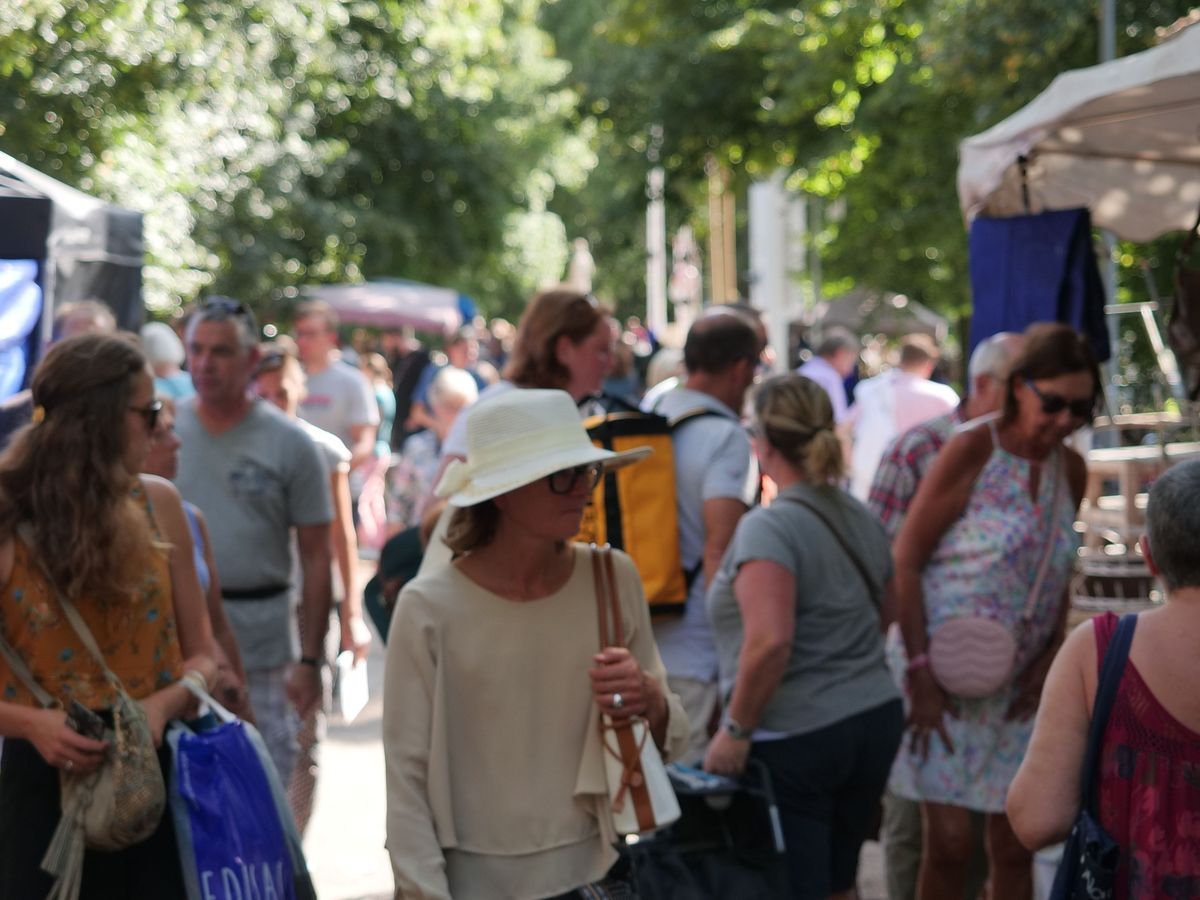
x=901 y=469
x=909 y=456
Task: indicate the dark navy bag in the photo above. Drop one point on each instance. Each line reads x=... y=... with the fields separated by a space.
x=1090 y=855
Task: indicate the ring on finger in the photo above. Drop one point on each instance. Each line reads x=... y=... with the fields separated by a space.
x=617 y=700
x=69 y=765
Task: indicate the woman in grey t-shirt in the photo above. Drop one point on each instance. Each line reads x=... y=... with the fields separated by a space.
x=796 y=614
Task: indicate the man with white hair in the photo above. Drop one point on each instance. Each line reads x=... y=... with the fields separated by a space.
x=904 y=464
x=834 y=358
x=906 y=460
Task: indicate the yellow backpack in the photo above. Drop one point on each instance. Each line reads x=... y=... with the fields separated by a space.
x=633 y=508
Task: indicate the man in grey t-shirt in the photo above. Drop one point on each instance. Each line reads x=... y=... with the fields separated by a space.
x=256 y=476
x=716 y=480
x=339 y=398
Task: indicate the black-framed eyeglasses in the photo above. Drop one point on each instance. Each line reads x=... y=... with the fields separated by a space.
x=1053 y=404
x=564 y=480
x=149 y=412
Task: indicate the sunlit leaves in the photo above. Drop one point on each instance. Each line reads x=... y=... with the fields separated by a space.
x=277 y=142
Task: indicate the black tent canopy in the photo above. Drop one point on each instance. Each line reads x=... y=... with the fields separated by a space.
x=85 y=247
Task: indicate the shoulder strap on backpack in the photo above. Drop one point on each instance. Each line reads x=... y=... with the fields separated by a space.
x=689 y=415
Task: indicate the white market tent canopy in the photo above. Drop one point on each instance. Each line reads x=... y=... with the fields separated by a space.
x=1121 y=138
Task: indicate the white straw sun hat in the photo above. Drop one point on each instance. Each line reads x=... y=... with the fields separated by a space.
x=519 y=437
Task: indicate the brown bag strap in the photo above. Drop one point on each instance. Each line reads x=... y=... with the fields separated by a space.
x=607 y=597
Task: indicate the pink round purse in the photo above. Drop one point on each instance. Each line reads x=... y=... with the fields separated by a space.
x=975 y=656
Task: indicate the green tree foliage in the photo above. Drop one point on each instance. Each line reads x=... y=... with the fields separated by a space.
x=863 y=101
x=274 y=143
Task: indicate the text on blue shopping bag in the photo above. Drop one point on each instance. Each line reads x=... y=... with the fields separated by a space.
x=239 y=846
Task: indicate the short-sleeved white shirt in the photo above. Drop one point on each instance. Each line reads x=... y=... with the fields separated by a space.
x=339 y=399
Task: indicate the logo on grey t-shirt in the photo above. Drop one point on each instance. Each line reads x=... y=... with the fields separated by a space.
x=249 y=479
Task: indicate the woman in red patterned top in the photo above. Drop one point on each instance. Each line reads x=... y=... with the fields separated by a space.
x=1149 y=780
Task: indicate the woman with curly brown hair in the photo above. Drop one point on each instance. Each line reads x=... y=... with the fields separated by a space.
x=79 y=526
x=563 y=341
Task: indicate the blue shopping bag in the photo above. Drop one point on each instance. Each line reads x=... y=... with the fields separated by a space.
x=236 y=835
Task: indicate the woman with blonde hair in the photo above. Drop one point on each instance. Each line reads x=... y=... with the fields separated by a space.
x=78 y=526
x=797 y=610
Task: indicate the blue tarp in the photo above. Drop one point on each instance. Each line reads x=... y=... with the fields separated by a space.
x=20 y=309
x=1037 y=268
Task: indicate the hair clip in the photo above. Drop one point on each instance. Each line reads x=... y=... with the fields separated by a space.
x=39 y=414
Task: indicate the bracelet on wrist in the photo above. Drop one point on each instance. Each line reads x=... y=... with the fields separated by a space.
x=195 y=677
x=310 y=661
x=920 y=661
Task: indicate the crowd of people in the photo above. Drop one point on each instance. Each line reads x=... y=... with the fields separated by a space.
x=876 y=582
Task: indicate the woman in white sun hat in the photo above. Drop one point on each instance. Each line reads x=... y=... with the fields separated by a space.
x=495 y=770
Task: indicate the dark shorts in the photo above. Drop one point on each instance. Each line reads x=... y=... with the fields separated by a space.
x=29 y=813
x=828 y=784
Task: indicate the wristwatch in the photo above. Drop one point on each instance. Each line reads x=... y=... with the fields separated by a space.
x=736 y=731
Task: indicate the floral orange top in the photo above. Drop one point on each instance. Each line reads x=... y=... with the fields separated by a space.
x=138 y=638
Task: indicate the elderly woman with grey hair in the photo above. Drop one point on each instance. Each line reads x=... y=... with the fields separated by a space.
x=1145 y=784
x=164 y=349
x=411 y=479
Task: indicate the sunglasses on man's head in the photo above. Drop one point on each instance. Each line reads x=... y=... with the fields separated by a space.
x=149 y=412
x=564 y=480
x=1053 y=404
x=225 y=304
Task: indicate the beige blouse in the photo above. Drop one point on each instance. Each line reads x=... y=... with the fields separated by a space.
x=495 y=771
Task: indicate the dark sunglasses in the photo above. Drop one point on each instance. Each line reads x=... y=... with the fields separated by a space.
x=1053 y=404
x=149 y=412
x=271 y=361
x=564 y=480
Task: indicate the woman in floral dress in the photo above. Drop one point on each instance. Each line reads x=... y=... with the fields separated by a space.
x=990 y=535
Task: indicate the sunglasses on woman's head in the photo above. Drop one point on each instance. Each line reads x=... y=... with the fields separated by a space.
x=149 y=412
x=1053 y=404
x=564 y=480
